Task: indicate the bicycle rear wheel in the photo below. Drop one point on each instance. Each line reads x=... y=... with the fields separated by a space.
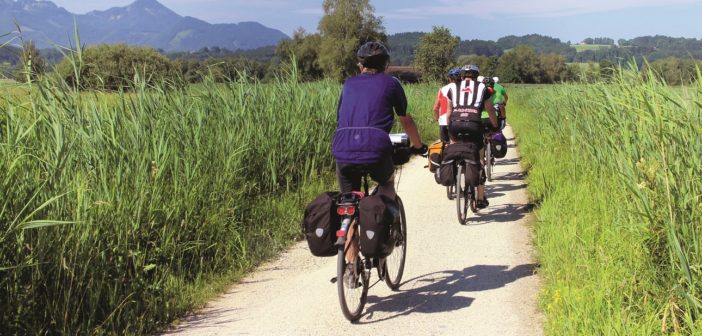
x=394 y=264
x=462 y=199
x=488 y=161
x=353 y=289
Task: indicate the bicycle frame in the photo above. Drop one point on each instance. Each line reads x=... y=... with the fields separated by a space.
x=353 y=281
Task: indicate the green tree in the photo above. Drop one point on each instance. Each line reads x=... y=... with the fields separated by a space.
x=435 y=53
x=114 y=67
x=553 y=68
x=304 y=49
x=345 y=26
x=32 y=64
x=519 y=65
x=673 y=70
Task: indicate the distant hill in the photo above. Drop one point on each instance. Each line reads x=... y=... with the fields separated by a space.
x=144 y=22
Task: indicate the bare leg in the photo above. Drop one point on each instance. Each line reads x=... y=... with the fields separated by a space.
x=351 y=244
x=481 y=187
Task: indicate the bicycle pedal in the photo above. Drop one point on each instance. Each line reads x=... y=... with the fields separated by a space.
x=333 y=280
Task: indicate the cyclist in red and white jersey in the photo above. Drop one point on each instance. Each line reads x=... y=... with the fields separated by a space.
x=442 y=106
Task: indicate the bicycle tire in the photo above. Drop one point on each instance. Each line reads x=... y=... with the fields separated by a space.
x=461 y=196
x=450 y=193
x=488 y=160
x=394 y=265
x=352 y=300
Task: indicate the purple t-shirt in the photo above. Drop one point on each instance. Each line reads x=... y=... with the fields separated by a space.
x=365 y=117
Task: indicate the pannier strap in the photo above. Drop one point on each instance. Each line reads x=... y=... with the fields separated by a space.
x=464 y=144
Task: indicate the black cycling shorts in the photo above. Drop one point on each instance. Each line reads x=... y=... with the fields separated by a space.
x=466 y=131
x=349 y=175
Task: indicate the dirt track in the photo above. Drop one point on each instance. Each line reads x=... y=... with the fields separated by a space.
x=477 y=279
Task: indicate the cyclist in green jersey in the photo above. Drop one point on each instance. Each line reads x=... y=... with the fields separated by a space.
x=500 y=98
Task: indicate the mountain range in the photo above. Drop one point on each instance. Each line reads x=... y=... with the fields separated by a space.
x=144 y=22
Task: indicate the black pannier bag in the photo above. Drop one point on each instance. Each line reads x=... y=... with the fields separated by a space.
x=379 y=222
x=320 y=224
x=434 y=161
x=498 y=142
x=468 y=152
x=400 y=155
x=447 y=172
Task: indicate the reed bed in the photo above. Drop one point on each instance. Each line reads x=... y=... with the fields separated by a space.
x=119 y=212
x=615 y=169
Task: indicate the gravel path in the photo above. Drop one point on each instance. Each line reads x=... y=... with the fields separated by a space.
x=477 y=279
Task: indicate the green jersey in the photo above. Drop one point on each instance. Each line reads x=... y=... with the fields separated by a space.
x=500 y=93
x=498 y=97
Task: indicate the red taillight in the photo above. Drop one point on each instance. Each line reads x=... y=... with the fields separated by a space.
x=346 y=210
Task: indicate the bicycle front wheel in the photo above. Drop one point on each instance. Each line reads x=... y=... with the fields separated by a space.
x=395 y=263
x=462 y=198
x=352 y=286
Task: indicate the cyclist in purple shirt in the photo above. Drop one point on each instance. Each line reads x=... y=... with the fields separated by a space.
x=365 y=116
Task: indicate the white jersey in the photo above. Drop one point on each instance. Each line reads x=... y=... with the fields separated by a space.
x=471 y=93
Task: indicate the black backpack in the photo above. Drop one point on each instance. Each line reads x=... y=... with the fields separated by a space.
x=379 y=221
x=321 y=223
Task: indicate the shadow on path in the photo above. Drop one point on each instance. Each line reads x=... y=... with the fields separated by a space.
x=205 y=319
x=505 y=213
x=441 y=291
x=507 y=162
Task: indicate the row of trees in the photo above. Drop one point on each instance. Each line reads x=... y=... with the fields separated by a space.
x=435 y=55
x=115 y=67
x=523 y=64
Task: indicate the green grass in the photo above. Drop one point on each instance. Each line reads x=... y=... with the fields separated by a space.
x=593 y=47
x=615 y=170
x=119 y=212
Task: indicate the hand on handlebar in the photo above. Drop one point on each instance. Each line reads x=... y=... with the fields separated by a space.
x=423 y=151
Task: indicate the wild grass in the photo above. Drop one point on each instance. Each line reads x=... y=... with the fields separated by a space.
x=616 y=171
x=119 y=212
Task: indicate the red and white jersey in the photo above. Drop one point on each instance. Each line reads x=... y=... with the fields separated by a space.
x=444 y=107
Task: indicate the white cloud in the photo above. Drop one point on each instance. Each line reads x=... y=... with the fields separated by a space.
x=529 y=8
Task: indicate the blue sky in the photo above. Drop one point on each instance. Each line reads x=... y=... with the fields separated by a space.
x=569 y=20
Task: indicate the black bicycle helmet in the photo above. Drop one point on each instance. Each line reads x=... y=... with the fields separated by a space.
x=373 y=55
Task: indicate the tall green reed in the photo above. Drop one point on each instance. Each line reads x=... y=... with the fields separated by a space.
x=616 y=167
x=116 y=208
